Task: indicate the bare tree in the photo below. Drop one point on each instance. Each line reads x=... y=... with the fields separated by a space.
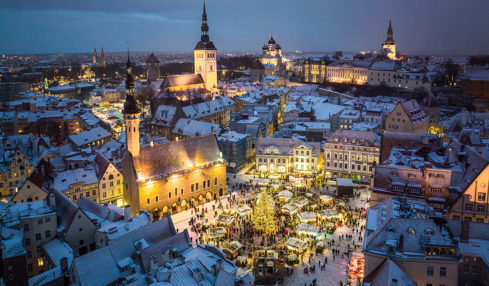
x=450 y=71
x=144 y=94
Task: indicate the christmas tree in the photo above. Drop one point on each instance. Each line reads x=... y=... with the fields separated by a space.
x=264 y=214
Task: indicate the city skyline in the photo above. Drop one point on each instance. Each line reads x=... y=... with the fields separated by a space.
x=59 y=27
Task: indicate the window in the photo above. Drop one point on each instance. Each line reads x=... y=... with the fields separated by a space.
x=26 y=228
x=29 y=268
x=181 y=192
x=443 y=272
x=148 y=201
x=29 y=255
x=192 y=188
x=215 y=181
x=176 y=192
x=203 y=185
x=479 y=220
x=156 y=199
x=39 y=250
x=103 y=186
x=40 y=262
x=38 y=236
x=39 y=221
x=481 y=208
x=466 y=268
x=208 y=185
x=81 y=242
x=197 y=187
x=169 y=195
x=468 y=207
x=104 y=194
x=47 y=234
x=475 y=269
x=430 y=271
x=481 y=197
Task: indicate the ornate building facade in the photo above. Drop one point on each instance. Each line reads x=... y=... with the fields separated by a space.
x=205 y=61
x=272 y=53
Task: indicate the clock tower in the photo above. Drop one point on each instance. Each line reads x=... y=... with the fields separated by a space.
x=390 y=43
x=131 y=113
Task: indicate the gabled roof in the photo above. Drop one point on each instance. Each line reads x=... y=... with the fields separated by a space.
x=414 y=111
x=385 y=273
x=152 y=59
x=257 y=65
x=430 y=101
x=97 y=209
x=176 y=156
x=64 y=207
x=183 y=79
x=102 y=164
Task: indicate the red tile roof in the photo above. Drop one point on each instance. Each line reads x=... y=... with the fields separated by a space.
x=152 y=59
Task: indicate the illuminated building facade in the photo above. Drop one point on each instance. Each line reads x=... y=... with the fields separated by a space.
x=272 y=54
x=205 y=61
x=351 y=154
x=281 y=157
x=348 y=71
x=314 y=70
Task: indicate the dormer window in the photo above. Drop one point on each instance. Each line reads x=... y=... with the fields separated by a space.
x=411 y=231
x=391 y=229
x=429 y=232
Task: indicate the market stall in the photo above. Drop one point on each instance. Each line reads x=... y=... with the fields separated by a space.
x=241 y=261
x=243 y=209
x=296 y=245
x=284 y=196
x=292 y=259
x=328 y=214
x=216 y=232
x=224 y=219
x=300 y=201
x=290 y=208
x=308 y=229
x=326 y=199
x=306 y=217
x=232 y=249
x=356 y=269
x=330 y=227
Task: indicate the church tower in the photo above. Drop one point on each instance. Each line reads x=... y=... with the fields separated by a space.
x=102 y=58
x=131 y=113
x=95 y=59
x=390 y=43
x=205 y=62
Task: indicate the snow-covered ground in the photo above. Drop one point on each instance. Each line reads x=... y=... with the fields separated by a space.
x=335 y=271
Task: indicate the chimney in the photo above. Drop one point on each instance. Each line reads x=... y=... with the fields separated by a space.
x=465 y=231
x=154 y=265
x=440 y=142
x=237 y=281
x=197 y=274
x=52 y=201
x=426 y=140
x=64 y=264
x=465 y=115
x=127 y=213
x=451 y=155
x=401 y=242
x=167 y=254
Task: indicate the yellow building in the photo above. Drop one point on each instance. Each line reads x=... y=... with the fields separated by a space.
x=409 y=117
x=205 y=52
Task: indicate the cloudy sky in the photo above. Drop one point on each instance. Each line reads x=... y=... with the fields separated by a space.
x=440 y=27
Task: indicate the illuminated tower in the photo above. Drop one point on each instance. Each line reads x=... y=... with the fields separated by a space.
x=390 y=43
x=102 y=58
x=205 y=62
x=131 y=113
x=95 y=60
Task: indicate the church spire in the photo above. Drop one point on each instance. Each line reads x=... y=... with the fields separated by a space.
x=390 y=39
x=204 y=28
x=130 y=106
x=95 y=59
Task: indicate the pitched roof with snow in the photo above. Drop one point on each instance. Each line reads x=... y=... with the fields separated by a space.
x=194 y=128
x=430 y=101
x=176 y=156
x=414 y=111
x=152 y=59
x=89 y=136
x=183 y=79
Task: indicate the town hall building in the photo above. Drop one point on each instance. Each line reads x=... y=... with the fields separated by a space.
x=171 y=176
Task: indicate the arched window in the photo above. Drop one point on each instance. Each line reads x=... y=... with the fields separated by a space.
x=111 y=177
x=411 y=230
x=429 y=232
x=391 y=229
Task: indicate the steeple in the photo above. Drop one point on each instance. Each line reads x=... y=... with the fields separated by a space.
x=390 y=40
x=131 y=112
x=204 y=28
x=95 y=59
x=130 y=106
